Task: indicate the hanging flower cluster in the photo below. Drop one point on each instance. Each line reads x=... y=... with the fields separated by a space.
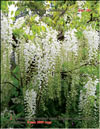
x=30 y=103
x=6 y=40
x=93 y=41
x=49 y=52
x=29 y=52
x=70 y=43
x=6 y=30
x=88 y=92
x=19 y=22
x=45 y=49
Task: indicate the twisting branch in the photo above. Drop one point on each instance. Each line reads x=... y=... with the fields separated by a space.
x=14 y=75
x=87 y=63
x=61 y=14
x=93 y=18
x=11 y=85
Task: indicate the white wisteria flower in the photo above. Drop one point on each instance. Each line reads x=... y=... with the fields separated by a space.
x=89 y=90
x=37 y=18
x=6 y=30
x=19 y=22
x=93 y=41
x=30 y=102
x=70 y=43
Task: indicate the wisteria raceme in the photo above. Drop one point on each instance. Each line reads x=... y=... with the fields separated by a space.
x=70 y=43
x=30 y=103
x=6 y=30
x=29 y=52
x=6 y=40
x=93 y=41
x=19 y=22
x=89 y=90
x=49 y=51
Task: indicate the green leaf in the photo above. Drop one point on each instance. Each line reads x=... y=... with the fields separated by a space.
x=12 y=12
x=16 y=70
x=10 y=3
